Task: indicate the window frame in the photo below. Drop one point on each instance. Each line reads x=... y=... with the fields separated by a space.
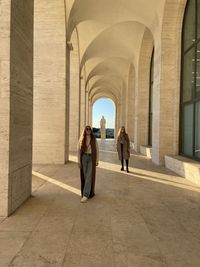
x=195 y=96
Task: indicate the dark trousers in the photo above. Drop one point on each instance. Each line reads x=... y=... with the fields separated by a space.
x=122 y=160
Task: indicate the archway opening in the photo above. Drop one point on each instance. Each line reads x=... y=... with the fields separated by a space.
x=103 y=114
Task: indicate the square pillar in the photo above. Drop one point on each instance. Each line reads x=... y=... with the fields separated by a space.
x=16 y=103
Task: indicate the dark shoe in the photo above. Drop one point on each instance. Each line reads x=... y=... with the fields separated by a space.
x=122 y=169
x=127 y=170
x=92 y=195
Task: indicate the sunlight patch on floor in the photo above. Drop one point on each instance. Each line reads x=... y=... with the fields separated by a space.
x=60 y=184
x=146 y=175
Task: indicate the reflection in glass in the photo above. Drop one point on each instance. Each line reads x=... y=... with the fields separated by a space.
x=188 y=130
x=197 y=131
x=151 y=99
x=190 y=101
x=189 y=25
x=198 y=18
x=198 y=71
x=188 y=75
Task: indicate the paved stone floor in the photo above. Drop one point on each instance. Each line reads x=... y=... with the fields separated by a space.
x=148 y=218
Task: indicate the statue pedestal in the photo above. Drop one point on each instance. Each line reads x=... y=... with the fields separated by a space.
x=103 y=134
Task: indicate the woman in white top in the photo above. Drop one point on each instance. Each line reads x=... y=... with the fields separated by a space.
x=88 y=159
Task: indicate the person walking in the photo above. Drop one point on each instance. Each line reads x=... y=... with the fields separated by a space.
x=123 y=147
x=88 y=159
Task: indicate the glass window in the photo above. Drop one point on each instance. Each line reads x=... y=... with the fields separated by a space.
x=197 y=130
x=151 y=99
x=188 y=75
x=198 y=71
x=198 y=18
x=189 y=25
x=188 y=130
x=190 y=100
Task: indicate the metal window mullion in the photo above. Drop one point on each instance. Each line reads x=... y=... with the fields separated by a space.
x=194 y=88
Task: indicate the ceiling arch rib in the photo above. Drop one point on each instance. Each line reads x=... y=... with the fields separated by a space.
x=109 y=78
x=110 y=66
x=117 y=84
x=100 y=93
x=114 y=90
x=108 y=96
x=91 y=63
x=104 y=91
x=116 y=11
x=88 y=30
x=105 y=87
x=121 y=40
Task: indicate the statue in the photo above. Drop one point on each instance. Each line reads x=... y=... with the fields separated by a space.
x=103 y=128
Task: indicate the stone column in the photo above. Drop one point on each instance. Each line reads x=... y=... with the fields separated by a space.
x=74 y=95
x=166 y=92
x=118 y=118
x=116 y=121
x=49 y=137
x=130 y=103
x=119 y=113
x=142 y=92
x=16 y=103
x=90 y=112
x=82 y=108
x=67 y=104
x=87 y=106
x=123 y=107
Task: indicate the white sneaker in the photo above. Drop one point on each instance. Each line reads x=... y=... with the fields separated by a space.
x=84 y=199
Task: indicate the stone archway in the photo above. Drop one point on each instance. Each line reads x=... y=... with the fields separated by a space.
x=113 y=99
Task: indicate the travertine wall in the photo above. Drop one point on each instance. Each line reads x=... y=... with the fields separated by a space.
x=16 y=108
x=83 y=104
x=87 y=106
x=124 y=107
x=49 y=139
x=166 y=94
x=117 y=118
x=4 y=103
x=142 y=92
x=74 y=122
x=67 y=104
x=130 y=103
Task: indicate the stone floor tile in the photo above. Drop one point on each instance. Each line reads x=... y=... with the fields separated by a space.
x=90 y=243
x=84 y=260
x=52 y=224
x=134 y=239
x=131 y=260
x=10 y=245
x=43 y=249
x=20 y=223
x=2 y=219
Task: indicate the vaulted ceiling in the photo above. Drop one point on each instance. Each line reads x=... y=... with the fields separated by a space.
x=110 y=34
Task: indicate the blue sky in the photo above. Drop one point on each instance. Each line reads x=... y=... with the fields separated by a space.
x=103 y=107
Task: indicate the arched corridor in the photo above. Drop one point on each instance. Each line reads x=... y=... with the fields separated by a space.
x=148 y=217
x=57 y=58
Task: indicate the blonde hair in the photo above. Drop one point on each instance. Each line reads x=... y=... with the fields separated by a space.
x=82 y=139
x=124 y=133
